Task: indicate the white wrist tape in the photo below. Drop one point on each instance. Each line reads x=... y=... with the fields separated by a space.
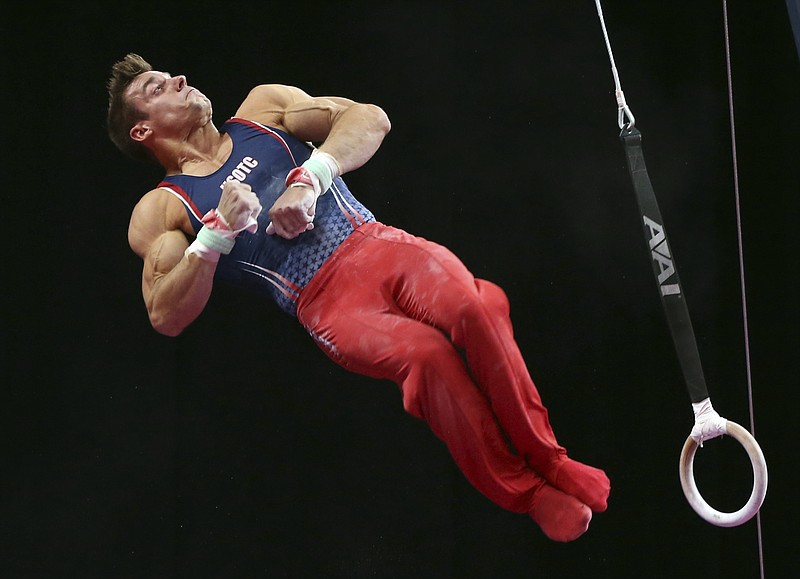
x=707 y=423
x=221 y=240
x=324 y=167
x=214 y=238
x=202 y=251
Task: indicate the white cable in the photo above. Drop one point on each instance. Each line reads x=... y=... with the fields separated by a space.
x=623 y=110
x=729 y=73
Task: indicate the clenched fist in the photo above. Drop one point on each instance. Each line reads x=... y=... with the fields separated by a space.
x=238 y=205
x=293 y=212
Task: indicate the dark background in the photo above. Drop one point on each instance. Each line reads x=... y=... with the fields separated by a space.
x=239 y=450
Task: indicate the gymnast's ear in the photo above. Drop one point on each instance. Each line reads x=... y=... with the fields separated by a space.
x=140 y=131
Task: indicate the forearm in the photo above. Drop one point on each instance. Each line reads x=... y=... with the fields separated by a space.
x=350 y=132
x=356 y=135
x=177 y=298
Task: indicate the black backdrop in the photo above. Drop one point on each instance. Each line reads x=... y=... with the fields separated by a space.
x=238 y=450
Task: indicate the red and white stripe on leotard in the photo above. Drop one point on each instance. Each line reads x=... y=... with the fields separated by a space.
x=286 y=287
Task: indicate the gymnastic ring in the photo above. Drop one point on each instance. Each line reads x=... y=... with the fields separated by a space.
x=696 y=501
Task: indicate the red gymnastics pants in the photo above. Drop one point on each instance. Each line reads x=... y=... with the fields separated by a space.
x=393 y=306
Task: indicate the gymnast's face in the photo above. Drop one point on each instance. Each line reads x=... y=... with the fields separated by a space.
x=169 y=102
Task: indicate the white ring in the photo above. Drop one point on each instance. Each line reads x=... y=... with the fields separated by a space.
x=700 y=506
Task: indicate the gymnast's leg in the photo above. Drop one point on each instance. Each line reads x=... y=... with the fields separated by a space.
x=481 y=327
x=365 y=334
x=429 y=283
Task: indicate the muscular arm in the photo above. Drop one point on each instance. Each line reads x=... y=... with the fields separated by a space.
x=349 y=131
x=175 y=287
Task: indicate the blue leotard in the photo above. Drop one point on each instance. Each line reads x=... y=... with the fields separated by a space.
x=262 y=157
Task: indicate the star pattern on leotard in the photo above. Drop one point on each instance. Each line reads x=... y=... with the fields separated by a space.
x=330 y=230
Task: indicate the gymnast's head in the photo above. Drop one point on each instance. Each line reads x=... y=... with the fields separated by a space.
x=144 y=103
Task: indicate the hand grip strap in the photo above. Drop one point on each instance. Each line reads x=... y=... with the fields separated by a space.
x=664 y=268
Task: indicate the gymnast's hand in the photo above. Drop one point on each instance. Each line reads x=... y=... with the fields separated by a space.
x=238 y=205
x=293 y=212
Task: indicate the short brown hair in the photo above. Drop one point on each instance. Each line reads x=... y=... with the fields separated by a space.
x=122 y=114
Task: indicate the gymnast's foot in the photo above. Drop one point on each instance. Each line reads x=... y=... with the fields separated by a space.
x=586 y=483
x=561 y=517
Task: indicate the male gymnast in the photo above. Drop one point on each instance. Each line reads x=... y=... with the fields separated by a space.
x=377 y=300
